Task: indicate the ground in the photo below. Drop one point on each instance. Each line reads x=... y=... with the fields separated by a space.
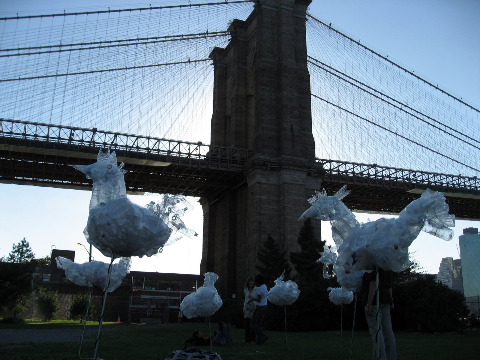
x=11 y=336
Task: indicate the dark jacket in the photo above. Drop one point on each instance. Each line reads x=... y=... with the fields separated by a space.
x=385 y=285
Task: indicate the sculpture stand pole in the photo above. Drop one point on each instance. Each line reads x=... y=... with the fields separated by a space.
x=341 y=326
x=85 y=324
x=285 y=315
x=210 y=334
x=377 y=315
x=105 y=292
x=353 y=326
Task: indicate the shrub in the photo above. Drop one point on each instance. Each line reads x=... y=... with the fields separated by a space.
x=15 y=288
x=47 y=303
x=422 y=304
x=11 y=320
x=79 y=306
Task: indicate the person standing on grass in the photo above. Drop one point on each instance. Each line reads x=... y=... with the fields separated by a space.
x=378 y=315
x=260 y=301
x=248 y=308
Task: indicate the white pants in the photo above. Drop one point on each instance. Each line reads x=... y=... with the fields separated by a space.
x=380 y=327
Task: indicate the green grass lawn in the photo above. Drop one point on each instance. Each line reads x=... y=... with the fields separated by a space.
x=122 y=341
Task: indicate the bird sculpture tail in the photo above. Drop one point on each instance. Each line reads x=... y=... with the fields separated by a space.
x=431 y=206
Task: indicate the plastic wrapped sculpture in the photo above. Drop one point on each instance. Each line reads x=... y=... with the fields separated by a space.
x=203 y=302
x=384 y=242
x=116 y=226
x=340 y=296
x=349 y=280
x=328 y=257
x=170 y=209
x=95 y=273
x=284 y=292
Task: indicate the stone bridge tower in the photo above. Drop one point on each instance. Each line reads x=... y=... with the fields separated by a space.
x=262 y=103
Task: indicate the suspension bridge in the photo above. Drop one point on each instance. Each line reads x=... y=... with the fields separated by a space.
x=317 y=108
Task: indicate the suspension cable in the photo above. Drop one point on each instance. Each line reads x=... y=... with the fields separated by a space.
x=124 y=10
x=114 y=43
x=395 y=64
x=395 y=133
x=104 y=70
x=336 y=72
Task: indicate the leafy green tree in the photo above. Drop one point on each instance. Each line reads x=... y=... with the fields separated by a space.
x=79 y=306
x=423 y=304
x=16 y=278
x=15 y=287
x=313 y=309
x=272 y=261
x=47 y=301
x=43 y=261
x=305 y=261
x=21 y=252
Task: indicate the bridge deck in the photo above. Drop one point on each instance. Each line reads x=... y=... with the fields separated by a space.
x=42 y=155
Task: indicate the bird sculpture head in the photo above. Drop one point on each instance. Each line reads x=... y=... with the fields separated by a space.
x=324 y=207
x=108 y=178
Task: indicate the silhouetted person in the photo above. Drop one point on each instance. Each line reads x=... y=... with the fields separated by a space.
x=260 y=301
x=248 y=308
x=378 y=315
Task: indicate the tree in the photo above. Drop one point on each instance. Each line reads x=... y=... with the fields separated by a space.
x=21 y=253
x=47 y=301
x=272 y=261
x=79 y=306
x=15 y=287
x=423 y=304
x=305 y=261
x=43 y=261
x=16 y=283
x=313 y=309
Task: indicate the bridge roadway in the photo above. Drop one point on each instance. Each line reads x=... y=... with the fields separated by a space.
x=42 y=155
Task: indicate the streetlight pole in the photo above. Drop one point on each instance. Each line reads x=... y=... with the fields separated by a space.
x=89 y=252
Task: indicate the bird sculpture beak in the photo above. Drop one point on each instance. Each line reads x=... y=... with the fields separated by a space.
x=82 y=168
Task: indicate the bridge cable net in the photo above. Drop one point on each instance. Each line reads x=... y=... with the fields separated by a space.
x=367 y=109
x=140 y=71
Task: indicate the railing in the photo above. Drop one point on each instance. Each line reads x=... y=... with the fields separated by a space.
x=222 y=157
x=371 y=173
x=173 y=149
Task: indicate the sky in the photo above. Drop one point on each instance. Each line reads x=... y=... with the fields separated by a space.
x=438 y=39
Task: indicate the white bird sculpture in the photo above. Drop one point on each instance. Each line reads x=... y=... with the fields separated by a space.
x=116 y=226
x=284 y=292
x=340 y=296
x=171 y=209
x=95 y=273
x=384 y=242
x=350 y=280
x=203 y=302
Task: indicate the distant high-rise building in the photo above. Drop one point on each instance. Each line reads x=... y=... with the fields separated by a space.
x=470 y=257
x=450 y=273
